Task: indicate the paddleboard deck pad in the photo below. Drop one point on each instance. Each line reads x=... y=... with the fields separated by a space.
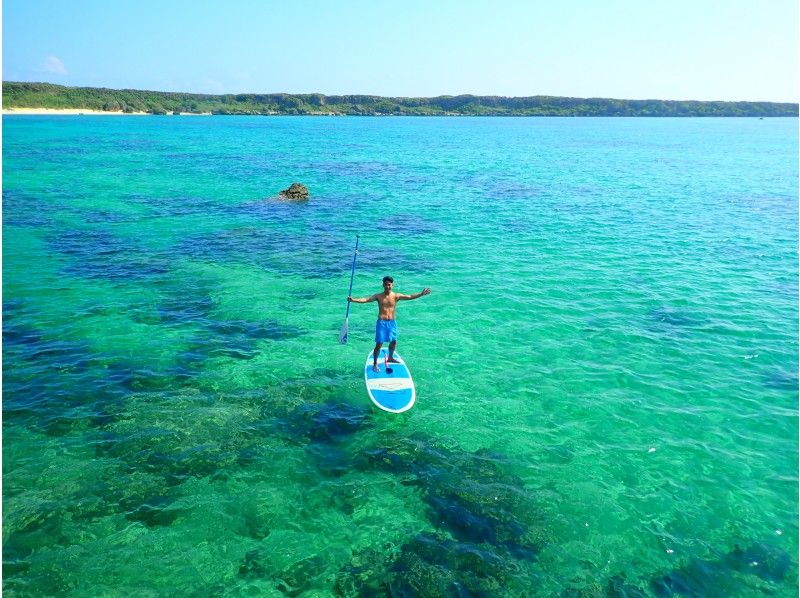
x=391 y=390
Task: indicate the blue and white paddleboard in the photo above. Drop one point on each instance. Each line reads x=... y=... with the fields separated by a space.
x=392 y=388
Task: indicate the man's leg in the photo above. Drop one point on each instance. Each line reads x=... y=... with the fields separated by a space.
x=375 y=354
x=392 y=341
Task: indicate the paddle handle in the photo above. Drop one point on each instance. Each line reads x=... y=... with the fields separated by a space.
x=352 y=274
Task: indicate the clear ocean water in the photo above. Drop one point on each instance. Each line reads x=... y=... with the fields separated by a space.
x=606 y=368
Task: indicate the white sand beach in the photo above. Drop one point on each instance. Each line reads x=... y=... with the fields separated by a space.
x=73 y=111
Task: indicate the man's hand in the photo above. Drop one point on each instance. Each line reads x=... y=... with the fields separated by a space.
x=349 y=299
x=425 y=291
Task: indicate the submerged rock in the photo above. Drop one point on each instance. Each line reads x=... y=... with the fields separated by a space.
x=295 y=191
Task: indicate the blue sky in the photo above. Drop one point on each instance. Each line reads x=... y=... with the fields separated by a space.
x=662 y=49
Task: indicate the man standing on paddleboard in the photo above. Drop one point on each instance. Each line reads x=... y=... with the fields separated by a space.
x=386 y=327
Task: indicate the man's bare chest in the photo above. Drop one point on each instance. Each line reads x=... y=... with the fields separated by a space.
x=387 y=301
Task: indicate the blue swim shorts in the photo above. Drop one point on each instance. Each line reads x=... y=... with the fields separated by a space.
x=385 y=331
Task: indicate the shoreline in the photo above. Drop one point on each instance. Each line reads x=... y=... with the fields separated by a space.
x=86 y=111
x=90 y=112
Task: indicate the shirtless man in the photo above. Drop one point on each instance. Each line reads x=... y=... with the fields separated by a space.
x=386 y=327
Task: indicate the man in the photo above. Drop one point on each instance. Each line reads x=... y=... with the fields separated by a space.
x=386 y=327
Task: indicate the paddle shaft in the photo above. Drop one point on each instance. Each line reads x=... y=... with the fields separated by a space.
x=352 y=274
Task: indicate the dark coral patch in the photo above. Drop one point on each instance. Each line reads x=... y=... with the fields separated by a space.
x=469 y=494
x=323 y=423
x=294 y=580
x=24 y=209
x=308 y=256
x=669 y=316
x=99 y=254
x=768 y=562
x=716 y=577
x=155 y=511
x=429 y=565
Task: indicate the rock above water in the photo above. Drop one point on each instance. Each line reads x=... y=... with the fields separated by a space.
x=295 y=191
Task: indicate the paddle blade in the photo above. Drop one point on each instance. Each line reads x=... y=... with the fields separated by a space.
x=343 y=333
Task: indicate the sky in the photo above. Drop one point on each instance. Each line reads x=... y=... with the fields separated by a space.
x=732 y=50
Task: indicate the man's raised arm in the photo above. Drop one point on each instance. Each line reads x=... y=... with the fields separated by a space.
x=425 y=291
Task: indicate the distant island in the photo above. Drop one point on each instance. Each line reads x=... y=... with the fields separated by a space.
x=50 y=96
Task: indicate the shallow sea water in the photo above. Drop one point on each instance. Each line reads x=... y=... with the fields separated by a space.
x=606 y=367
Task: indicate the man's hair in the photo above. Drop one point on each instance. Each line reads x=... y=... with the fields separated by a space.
x=388 y=279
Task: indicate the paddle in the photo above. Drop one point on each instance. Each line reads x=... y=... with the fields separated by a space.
x=343 y=331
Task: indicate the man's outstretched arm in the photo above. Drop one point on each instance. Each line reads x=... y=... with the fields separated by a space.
x=361 y=299
x=425 y=291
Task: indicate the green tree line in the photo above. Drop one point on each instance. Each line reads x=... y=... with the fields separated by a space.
x=48 y=95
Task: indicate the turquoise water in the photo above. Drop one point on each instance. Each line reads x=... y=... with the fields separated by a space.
x=606 y=368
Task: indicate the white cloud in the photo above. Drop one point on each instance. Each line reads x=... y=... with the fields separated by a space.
x=53 y=64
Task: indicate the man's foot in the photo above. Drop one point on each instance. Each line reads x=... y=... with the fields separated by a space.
x=376 y=369
x=392 y=360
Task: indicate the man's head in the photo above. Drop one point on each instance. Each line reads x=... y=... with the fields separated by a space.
x=388 y=282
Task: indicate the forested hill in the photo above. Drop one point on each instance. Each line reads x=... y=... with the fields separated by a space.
x=47 y=95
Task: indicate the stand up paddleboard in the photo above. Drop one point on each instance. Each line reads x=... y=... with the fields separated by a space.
x=392 y=388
